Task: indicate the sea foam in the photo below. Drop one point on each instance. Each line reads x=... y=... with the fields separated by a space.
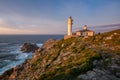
x=19 y=59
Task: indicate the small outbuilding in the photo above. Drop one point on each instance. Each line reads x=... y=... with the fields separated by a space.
x=85 y=32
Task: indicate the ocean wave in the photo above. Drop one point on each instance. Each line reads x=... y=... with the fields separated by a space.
x=7 y=61
x=13 y=63
x=18 y=59
x=9 y=66
x=39 y=44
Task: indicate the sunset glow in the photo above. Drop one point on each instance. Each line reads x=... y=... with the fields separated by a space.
x=49 y=17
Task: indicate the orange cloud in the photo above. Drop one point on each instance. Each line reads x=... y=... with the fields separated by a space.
x=14 y=31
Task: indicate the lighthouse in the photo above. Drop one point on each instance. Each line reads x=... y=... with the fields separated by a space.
x=69 y=23
x=85 y=32
x=85 y=27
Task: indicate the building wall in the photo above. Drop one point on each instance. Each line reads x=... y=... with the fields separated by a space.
x=78 y=33
x=67 y=36
x=86 y=33
x=91 y=33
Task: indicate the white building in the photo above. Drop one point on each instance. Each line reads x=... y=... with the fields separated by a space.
x=84 y=32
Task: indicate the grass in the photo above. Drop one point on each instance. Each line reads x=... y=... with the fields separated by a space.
x=78 y=55
x=72 y=67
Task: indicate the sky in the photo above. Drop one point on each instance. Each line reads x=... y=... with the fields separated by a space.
x=50 y=16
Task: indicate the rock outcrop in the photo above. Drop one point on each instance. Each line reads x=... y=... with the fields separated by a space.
x=48 y=44
x=28 y=47
x=6 y=74
x=97 y=74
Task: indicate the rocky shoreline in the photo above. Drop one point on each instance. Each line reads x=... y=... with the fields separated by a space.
x=26 y=48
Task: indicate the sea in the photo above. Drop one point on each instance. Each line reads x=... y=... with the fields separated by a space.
x=10 y=54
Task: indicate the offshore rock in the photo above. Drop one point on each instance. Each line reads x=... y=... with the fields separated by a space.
x=28 y=47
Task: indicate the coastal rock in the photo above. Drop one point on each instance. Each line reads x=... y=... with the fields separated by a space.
x=6 y=74
x=45 y=47
x=97 y=74
x=48 y=44
x=91 y=74
x=28 y=47
x=83 y=76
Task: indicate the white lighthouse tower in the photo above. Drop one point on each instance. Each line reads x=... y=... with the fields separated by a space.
x=69 y=23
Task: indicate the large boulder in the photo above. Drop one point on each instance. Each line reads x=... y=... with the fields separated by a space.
x=28 y=47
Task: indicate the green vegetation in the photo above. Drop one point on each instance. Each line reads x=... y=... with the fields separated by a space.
x=72 y=66
x=67 y=59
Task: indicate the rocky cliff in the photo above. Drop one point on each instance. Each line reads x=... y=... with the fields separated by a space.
x=93 y=58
